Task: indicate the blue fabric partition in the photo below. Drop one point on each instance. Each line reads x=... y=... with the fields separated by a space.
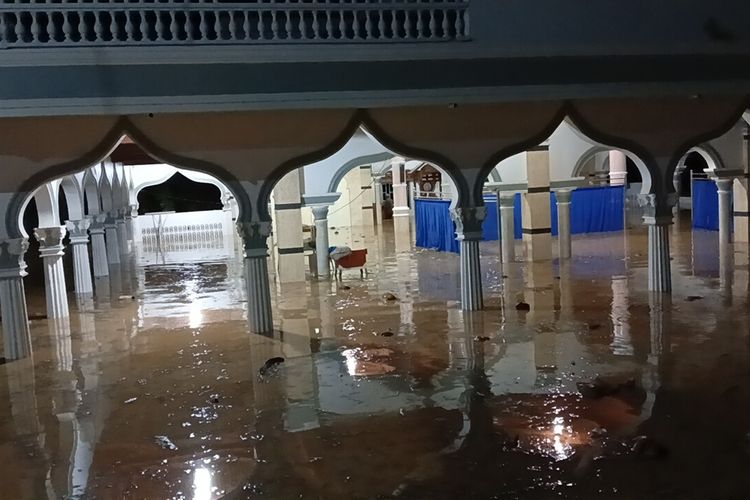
x=593 y=210
x=435 y=228
x=705 y=204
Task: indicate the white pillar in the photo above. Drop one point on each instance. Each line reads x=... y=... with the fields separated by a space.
x=79 y=240
x=15 y=324
x=367 y=194
x=658 y=216
x=535 y=206
x=290 y=256
x=130 y=215
x=410 y=187
x=469 y=234
x=400 y=195
x=99 y=247
x=507 y=224
x=122 y=233
x=320 y=214
x=563 y=222
x=724 y=187
x=378 y=185
x=51 y=250
x=254 y=237
x=618 y=168
x=113 y=245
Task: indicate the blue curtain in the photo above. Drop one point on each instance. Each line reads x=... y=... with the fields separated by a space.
x=705 y=204
x=435 y=228
x=593 y=210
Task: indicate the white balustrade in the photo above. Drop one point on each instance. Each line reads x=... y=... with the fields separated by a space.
x=98 y=23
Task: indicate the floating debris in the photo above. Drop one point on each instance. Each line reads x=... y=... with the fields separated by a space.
x=523 y=306
x=165 y=443
x=479 y=338
x=600 y=388
x=389 y=297
x=647 y=447
x=127 y=297
x=131 y=400
x=271 y=364
x=387 y=334
x=594 y=326
x=693 y=298
x=345 y=287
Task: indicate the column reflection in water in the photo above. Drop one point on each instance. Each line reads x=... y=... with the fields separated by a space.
x=622 y=344
x=74 y=450
x=541 y=299
x=659 y=306
x=726 y=272
x=403 y=242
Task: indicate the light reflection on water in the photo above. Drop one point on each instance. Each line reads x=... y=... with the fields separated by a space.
x=433 y=411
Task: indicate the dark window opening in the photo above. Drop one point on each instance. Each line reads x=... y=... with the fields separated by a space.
x=179 y=194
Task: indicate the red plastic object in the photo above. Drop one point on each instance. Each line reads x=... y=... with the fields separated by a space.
x=358 y=258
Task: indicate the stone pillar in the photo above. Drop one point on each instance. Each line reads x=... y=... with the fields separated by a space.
x=410 y=187
x=618 y=168
x=469 y=234
x=378 y=192
x=51 y=250
x=17 y=341
x=741 y=198
x=535 y=207
x=290 y=259
x=368 y=218
x=400 y=194
x=320 y=213
x=563 y=222
x=254 y=237
x=79 y=240
x=113 y=245
x=725 y=210
x=507 y=227
x=99 y=247
x=130 y=215
x=657 y=215
x=122 y=232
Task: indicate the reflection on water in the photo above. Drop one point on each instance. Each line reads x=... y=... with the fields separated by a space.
x=376 y=398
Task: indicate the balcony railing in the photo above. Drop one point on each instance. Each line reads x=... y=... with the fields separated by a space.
x=105 y=23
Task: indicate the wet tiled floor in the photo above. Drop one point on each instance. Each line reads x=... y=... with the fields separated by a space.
x=598 y=391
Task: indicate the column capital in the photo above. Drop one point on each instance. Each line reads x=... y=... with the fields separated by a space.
x=110 y=220
x=725 y=185
x=12 y=251
x=78 y=230
x=507 y=200
x=563 y=196
x=657 y=209
x=254 y=237
x=50 y=240
x=320 y=212
x=469 y=222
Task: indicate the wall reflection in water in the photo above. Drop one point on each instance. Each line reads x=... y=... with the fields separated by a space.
x=379 y=397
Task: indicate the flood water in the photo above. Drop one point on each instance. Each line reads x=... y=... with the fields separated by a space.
x=598 y=391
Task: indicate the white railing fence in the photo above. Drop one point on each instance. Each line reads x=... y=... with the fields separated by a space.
x=43 y=23
x=181 y=232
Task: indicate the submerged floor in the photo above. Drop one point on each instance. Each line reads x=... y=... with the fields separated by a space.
x=597 y=391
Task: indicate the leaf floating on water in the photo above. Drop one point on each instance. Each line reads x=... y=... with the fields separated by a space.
x=131 y=400
x=165 y=443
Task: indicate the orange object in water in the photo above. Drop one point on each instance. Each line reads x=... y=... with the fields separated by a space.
x=358 y=258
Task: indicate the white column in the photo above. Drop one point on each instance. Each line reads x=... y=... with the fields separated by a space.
x=400 y=195
x=79 y=240
x=99 y=247
x=658 y=217
x=618 y=168
x=113 y=245
x=724 y=187
x=51 y=250
x=122 y=232
x=410 y=187
x=535 y=207
x=290 y=257
x=365 y=175
x=254 y=237
x=15 y=324
x=563 y=222
x=320 y=214
x=507 y=224
x=469 y=234
x=378 y=188
x=130 y=215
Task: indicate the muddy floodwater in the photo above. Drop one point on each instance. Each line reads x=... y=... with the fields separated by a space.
x=156 y=390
